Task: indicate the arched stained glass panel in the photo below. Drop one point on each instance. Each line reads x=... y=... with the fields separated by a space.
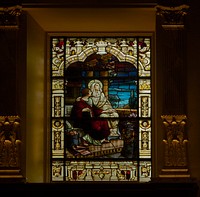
x=101 y=109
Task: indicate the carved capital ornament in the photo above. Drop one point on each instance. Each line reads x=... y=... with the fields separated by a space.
x=9 y=17
x=173 y=17
x=10 y=148
x=175 y=147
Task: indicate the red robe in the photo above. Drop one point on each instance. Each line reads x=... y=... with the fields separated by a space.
x=91 y=123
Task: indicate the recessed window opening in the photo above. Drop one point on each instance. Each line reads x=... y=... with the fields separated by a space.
x=101 y=112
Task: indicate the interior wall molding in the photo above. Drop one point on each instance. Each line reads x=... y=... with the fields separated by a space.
x=87 y=3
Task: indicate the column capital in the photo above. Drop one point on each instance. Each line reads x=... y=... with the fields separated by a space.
x=9 y=17
x=173 y=16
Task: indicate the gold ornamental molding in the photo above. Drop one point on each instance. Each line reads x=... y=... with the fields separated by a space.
x=173 y=17
x=9 y=17
x=10 y=148
x=175 y=147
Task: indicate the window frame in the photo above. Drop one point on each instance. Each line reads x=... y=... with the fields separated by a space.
x=48 y=86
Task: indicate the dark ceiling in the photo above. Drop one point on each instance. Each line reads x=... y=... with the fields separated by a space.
x=79 y=3
x=91 y=3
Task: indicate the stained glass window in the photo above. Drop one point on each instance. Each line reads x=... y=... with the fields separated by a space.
x=101 y=108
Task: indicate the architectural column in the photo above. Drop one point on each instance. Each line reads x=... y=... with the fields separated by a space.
x=10 y=134
x=171 y=61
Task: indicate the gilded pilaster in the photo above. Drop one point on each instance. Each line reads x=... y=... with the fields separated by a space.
x=171 y=52
x=171 y=61
x=10 y=134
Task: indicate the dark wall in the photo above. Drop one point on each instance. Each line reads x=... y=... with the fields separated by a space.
x=8 y=72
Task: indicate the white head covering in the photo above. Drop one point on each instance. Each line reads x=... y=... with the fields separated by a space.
x=93 y=82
